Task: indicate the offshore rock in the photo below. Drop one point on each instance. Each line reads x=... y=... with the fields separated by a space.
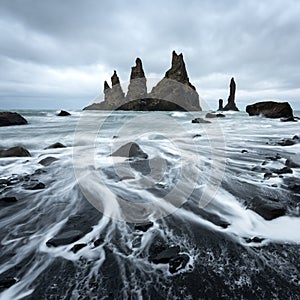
x=270 y=109
x=113 y=96
x=175 y=86
x=15 y=152
x=221 y=108
x=11 y=118
x=173 y=93
x=231 y=99
x=137 y=88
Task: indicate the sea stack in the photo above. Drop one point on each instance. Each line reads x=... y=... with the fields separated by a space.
x=137 y=88
x=221 y=105
x=169 y=89
x=231 y=99
x=114 y=95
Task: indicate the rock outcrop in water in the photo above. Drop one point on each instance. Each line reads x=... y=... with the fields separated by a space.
x=270 y=109
x=221 y=108
x=63 y=113
x=173 y=92
x=231 y=99
x=15 y=152
x=11 y=118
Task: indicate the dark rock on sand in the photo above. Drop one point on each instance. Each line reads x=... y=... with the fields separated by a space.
x=270 y=109
x=268 y=209
x=34 y=186
x=47 y=161
x=15 y=152
x=5 y=201
x=284 y=170
x=231 y=99
x=291 y=164
x=287 y=142
x=130 y=150
x=211 y=115
x=143 y=226
x=201 y=121
x=63 y=113
x=77 y=247
x=166 y=255
x=178 y=263
x=55 y=146
x=65 y=238
x=7 y=282
x=11 y=118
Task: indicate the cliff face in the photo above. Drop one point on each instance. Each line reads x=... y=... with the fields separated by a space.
x=231 y=99
x=174 y=89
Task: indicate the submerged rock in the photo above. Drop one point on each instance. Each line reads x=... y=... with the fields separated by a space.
x=211 y=115
x=201 y=121
x=270 y=109
x=63 y=113
x=130 y=150
x=291 y=164
x=78 y=247
x=55 y=146
x=11 y=118
x=34 y=186
x=268 y=209
x=143 y=226
x=15 y=152
x=47 y=161
x=5 y=201
x=231 y=99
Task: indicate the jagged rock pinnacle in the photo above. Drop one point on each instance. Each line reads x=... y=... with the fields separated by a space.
x=231 y=99
x=115 y=79
x=137 y=71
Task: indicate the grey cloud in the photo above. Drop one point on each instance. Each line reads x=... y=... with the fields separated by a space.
x=257 y=42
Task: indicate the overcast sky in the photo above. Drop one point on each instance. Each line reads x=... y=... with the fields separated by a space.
x=56 y=54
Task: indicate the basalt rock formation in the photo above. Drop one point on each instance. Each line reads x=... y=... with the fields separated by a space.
x=221 y=105
x=173 y=92
x=176 y=87
x=270 y=109
x=137 y=88
x=231 y=99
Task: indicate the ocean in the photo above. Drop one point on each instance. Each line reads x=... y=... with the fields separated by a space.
x=177 y=225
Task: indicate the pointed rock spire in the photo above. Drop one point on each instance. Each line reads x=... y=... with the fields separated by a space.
x=115 y=79
x=114 y=96
x=184 y=94
x=106 y=85
x=231 y=99
x=137 y=88
x=178 y=70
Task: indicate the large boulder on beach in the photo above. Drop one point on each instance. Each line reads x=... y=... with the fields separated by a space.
x=266 y=208
x=270 y=109
x=11 y=118
x=15 y=152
